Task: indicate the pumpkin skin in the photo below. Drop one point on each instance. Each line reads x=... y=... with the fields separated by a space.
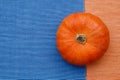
x=82 y=38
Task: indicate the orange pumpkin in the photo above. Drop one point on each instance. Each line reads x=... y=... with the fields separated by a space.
x=82 y=38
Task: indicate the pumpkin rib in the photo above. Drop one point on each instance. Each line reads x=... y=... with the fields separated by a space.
x=69 y=28
x=101 y=37
x=65 y=46
x=73 y=55
x=62 y=35
x=82 y=22
x=98 y=45
x=92 y=32
x=69 y=23
x=91 y=51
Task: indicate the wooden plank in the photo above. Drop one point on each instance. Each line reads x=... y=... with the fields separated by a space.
x=28 y=40
x=108 y=67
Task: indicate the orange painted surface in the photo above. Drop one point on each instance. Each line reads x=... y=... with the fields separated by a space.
x=108 y=67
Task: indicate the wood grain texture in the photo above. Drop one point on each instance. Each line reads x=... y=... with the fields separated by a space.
x=108 y=67
x=28 y=40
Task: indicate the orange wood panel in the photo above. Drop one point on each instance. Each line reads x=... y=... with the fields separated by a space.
x=108 y=67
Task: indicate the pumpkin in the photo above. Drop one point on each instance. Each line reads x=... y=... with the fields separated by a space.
x=82 y=38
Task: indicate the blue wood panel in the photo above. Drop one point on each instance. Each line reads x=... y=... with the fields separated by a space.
x=27 y=39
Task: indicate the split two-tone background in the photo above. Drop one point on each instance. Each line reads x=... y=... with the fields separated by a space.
x=27 y=40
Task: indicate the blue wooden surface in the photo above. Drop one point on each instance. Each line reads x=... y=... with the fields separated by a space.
x=27 y=39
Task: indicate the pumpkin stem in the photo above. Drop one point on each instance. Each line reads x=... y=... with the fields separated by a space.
x=81 y=38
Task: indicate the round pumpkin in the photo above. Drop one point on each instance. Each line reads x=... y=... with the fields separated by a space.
x=82 y=38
